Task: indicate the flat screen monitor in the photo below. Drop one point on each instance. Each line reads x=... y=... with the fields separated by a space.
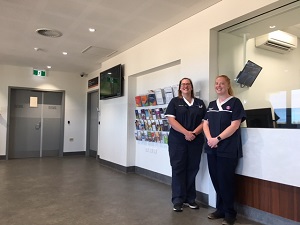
x=259 y=118
x=249 y=73
x=111 y=83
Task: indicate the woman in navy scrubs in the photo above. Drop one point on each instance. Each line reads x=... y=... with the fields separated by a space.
x=185 y=114
x=223 y=147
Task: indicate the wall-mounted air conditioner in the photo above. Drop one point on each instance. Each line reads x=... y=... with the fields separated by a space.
x=277 y=41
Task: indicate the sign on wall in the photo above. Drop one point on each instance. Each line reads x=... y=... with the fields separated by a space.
x=40 y=73
x=93 y=82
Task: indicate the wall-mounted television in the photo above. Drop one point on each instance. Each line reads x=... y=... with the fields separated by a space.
x=259 y=118
x=249 y=73
x=112 y=83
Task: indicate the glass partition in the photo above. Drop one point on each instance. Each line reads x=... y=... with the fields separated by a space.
x=273 y=100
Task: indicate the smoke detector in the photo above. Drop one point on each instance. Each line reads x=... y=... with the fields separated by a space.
x=49 y=32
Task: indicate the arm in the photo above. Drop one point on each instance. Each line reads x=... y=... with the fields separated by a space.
x=198 y=129
x=213 y=141
x=206 y=129
x=177 y=126
x=231 y=129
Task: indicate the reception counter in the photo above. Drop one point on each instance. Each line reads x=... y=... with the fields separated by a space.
x=271 y=154
x=268 y=177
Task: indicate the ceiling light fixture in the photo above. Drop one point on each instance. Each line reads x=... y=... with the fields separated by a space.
x=49 y=32
x=49 y=67
x=272 y=27
x=36 y=49
x=92 y=29
x=64 y=53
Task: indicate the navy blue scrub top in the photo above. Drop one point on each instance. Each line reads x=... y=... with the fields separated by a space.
x=189 y=117
x=219 y=120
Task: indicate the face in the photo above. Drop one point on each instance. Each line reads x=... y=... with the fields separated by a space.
x=221 y=86
x=185 y=86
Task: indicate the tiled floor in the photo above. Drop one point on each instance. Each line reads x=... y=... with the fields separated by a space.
x=78 y=190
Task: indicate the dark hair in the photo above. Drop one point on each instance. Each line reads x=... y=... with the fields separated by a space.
x=230 y=91
x=179 y=91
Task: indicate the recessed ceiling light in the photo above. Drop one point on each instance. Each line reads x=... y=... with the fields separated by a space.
x=49 y=32
x=65 y=53
x=36 y=49
x=49 y=67
x=272 y=27
x=92 y=29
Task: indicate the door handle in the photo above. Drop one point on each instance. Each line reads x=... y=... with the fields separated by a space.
x=38 y=126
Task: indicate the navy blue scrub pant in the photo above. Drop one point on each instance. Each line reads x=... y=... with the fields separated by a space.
x=222 y=173
x=185 y=160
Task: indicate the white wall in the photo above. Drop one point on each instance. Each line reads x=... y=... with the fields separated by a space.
x=75 y=101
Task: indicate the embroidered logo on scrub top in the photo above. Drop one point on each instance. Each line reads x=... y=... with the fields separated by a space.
x=228 y=107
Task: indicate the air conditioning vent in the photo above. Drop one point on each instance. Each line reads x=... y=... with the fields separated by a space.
x=281 y=47
x=277 y=41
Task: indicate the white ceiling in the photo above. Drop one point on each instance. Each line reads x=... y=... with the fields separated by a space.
x=119 y=24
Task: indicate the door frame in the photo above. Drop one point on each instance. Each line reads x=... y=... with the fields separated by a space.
x=61 y=143
x=88 y=119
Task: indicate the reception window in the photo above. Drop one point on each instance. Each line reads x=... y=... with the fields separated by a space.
x=273 y=44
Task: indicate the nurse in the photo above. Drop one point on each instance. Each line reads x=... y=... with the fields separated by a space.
x=185 y=114
x=223 y=146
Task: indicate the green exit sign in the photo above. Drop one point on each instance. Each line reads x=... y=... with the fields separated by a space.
x=41 y=73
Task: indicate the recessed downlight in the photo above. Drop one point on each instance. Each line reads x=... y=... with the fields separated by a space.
x=49 y=32
x=92 y=29
x=64 y=53
x=272 y=27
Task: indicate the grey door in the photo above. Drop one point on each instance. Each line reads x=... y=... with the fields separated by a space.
x=35 y=123
x=92 y=123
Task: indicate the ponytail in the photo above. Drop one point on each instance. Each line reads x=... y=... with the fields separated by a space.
x=230 y=90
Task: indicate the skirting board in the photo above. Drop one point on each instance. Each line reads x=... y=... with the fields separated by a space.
x=262 y=216
x=74 y=153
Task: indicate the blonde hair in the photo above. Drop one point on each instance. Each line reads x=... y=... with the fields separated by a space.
x=227 y=79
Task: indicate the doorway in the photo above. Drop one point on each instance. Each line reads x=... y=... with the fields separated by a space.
x=35 y=123
x=92 y=123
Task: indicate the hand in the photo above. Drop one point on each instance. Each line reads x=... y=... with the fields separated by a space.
x=189 y=136
x=212 y=142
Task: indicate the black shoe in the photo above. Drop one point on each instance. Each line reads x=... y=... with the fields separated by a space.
x=228 y=221
x=215 y=215
x=192 y=205
x=177 y=207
